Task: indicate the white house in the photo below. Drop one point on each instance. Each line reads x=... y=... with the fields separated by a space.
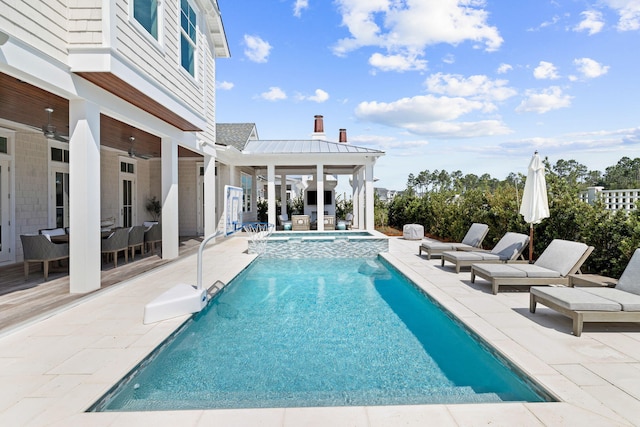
x=104 y=104
x=316 y=160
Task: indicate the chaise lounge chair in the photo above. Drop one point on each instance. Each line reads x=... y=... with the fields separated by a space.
x=559 y=259
x=509 y=248
x=595 y=304
x=473 y=239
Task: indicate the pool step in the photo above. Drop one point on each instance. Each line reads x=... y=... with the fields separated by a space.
x=180 y=300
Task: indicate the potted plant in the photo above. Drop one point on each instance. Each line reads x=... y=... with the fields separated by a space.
x=154 y=207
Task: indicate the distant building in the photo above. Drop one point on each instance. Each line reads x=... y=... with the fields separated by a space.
x=385 y=195
x=613 y=200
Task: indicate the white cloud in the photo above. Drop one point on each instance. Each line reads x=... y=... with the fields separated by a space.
x=319 y=97
x=589 y=68
x=554 y=20
x=411 y=26
x=476 y=87
x=629 y=12
x=274 y=94
x=256 y=49
x=549 y=99
x=568 y=144
x=224 y=85
x=504 y=68
x=545 y=70
x=430 y=115
x=298 y=6
x=592 y=22
x=397 y=62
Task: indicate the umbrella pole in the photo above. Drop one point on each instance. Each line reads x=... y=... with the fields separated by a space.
x=530 y=243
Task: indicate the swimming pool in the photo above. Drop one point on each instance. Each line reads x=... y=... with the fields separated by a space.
x=319 y=332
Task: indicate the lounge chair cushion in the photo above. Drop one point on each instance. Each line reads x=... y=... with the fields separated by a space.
x=510 y=246
x=628 y=300
x=442 y=246
x=472 y=256
x=575 y=299
x=533 y=270
x=475 y=235
x=500 y=270
x=630 y=279
x=561 y=256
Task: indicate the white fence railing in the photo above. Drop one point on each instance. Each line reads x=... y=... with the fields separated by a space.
x=614 y=200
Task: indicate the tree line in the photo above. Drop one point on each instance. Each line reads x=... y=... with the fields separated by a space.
x=447 y=203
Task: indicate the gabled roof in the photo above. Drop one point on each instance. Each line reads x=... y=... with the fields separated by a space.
x=304 y=147
x=235 y=135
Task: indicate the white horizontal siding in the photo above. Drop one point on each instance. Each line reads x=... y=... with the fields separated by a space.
x=160 y=61
x=41 y=24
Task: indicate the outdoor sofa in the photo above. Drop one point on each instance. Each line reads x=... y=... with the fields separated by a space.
x=595 y=304
x=560 y=259
x=508 y=248
x=473 y=239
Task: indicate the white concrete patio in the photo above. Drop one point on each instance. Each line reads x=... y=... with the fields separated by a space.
x=52 y=370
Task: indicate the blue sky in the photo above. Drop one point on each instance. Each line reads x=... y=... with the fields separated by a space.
x=469 y=85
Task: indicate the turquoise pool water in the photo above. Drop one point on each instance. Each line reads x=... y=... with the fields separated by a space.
x=319 y=332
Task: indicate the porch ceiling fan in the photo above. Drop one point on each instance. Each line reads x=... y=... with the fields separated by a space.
x=133 y=153
x=49 y=130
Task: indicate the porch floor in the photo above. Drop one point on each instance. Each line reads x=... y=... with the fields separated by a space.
x=24 y=300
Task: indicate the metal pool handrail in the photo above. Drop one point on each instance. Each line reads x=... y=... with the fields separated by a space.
x=200 y=249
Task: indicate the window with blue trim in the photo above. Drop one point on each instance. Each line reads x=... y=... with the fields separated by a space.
x=146 y=13
x=188 y=41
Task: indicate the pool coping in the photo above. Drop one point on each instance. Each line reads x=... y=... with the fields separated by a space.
x=54 y=369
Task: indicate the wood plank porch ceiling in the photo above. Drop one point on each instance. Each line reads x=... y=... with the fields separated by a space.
x=24 y=103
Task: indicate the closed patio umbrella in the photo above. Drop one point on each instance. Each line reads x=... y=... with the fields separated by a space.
x=535 y=206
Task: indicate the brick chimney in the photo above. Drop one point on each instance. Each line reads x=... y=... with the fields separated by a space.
x=342 y=136
x=318 y=128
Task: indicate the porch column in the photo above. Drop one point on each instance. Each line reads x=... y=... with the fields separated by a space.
x=84 y=200
x=283 y=194
x=369 y=196
x=210 y=223
x=355 y=198
x=271 y=194
x=361 y=199
x=170 y=209
x=232 y=176
x=320 y=197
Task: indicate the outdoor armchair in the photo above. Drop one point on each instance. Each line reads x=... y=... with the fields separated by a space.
x=300 y=222
x=117 y=242
x=38 y=248
x=285 y=223
x=152 y=236
x=136 y=239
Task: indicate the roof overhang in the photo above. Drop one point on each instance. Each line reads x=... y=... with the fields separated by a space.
x=215 y=28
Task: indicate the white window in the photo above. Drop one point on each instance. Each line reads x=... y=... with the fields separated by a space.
x=128 y=175
x=146 y=12
x=247 y=193
x=59 y=184
x=188 y=37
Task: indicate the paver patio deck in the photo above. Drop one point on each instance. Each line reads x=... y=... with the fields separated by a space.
x=53 y=370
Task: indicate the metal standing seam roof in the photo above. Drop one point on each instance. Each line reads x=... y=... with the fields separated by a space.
x=304 y=147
